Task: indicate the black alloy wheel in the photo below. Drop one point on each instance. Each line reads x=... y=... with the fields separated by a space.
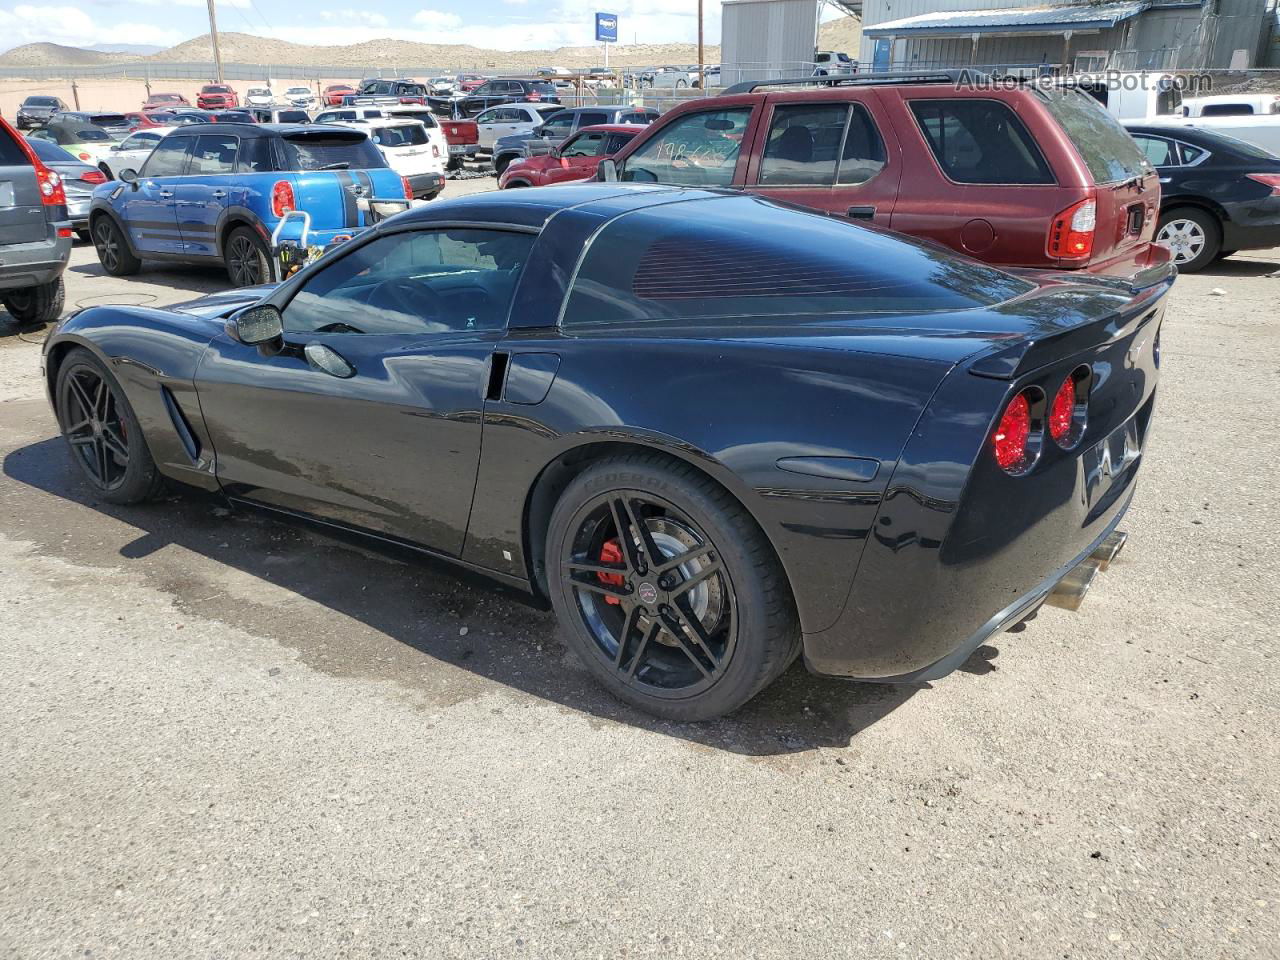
x=248 y=262
x=102 y=432
x=113 y=252
x=667 y=589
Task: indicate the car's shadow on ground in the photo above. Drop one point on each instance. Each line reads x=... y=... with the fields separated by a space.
x=1240 y=267
x=419 y=604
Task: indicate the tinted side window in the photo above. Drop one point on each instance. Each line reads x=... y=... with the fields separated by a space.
x=1159 y=151
x=863 y=155
x=980 y=141
x=586 y=145
x=1227 y=110
x=432 y=281
x=708 y=260
x=803 y=146
x=617 y=141
x=591 y=118
x=698 y=149
x=169 y=158
x=214 y=155
x=255 y=156
x=558 y=126
x=1191 y=154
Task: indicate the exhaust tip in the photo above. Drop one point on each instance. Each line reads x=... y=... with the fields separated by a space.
x=1070 y=591
x=1109 y=549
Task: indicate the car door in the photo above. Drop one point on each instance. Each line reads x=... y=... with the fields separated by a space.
x=578 y=158
x=150 y=205
x=368 y=413
x=830 y=156
x=132 y=152
x=553 y=132
x=493 y=123
x=205 y=191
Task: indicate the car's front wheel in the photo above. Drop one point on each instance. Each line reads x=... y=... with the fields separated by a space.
x=113 y=251
x=102 y=431
x=1192 y=236
x=667 y=589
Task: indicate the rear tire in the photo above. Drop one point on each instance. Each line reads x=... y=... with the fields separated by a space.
x=32 y=305
x=102 y=432
x=113 y=250
x=738 y=609
x=1192 y=236
x=500 y=165
x=247 y=258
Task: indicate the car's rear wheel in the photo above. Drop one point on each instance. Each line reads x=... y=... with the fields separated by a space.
x=500 y=165
x=39 y=304
x=1192 y=236
x=113 y=251
x=102 y=431
x=667 y=589
x=247 y=258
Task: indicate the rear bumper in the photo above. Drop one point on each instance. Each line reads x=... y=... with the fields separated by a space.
x=1252 y=226
x=33 y=264
x=425 y=186
x=1135 y=267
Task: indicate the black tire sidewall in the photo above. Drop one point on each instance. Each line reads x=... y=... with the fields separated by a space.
x=1212 y=235
x=266 y=262
x=140 y=478
x=748 y=669
x=43 y=303
x=127 y=264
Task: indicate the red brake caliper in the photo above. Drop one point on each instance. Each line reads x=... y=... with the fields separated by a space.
x=611 y=552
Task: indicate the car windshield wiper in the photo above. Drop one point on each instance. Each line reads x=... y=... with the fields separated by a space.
x=343 y=165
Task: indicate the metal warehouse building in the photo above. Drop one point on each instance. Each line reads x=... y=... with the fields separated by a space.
x=1134 y=35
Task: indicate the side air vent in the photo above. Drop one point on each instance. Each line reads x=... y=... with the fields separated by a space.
x=180 y=425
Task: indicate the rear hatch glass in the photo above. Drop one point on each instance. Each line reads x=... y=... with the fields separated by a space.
x=409 y=135
x=544 y=89
x=22 y=218
x=1104 y=146
x=331 y=150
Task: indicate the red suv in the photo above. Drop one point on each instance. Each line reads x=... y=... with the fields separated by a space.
x=1015 y=174
x=217 y=96
x=575 y=159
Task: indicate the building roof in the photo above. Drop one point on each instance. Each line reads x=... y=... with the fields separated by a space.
x=1046 y=19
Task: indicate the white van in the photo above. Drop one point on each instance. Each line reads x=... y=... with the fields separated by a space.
x=1232 y=105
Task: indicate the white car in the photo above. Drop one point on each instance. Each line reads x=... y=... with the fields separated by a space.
x=259 y=97
x=132 y=152
x=338 y=114
x=1232 y=105
x=510 y=119
x=442 y=86
x=410 y=152
x=300 y=97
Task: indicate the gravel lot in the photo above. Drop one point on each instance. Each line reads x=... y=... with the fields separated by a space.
x=221 y=736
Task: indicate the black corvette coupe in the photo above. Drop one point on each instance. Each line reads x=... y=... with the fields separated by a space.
x=712 y=431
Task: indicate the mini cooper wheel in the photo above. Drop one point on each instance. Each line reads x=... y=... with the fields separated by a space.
x=1192 y=237
x=667 y=589
x=247 y=258
x=102 y=431
x=113 y=251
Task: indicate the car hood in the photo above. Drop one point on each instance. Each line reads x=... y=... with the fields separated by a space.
x=221 y=305
x=513 y=140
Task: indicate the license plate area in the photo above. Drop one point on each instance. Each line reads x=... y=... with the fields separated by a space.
x=456 y=148
x=1108 y=461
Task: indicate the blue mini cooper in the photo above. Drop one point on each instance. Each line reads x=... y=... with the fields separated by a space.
x=217 y=192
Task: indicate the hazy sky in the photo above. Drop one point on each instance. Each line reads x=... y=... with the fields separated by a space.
x=504 y=24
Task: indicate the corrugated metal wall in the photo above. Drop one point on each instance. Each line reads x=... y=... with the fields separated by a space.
x=879 y=11
x=760 y=39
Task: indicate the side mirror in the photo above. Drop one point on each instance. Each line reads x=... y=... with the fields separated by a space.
x=260 y=324
x=127 y=175
x=607 y=171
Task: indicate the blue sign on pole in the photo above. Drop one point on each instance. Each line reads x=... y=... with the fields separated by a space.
x=607 y=27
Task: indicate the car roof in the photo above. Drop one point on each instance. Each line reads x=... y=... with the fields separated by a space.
x=613 y=128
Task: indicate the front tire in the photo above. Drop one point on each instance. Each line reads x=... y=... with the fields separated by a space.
x=113 y=250
x=39 y=304
x=1192 y=236
x=688 y=615
x=102 y=433
x=247 y=258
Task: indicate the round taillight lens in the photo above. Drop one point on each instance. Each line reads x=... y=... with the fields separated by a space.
x=1013 y=431
x=1062 y=413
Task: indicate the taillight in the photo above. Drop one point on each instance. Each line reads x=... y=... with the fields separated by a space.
x=534 y=96
x=52 y=193
x=408 y=189
x=1070 y=406
x=1010 y=439
x=282 y=199
x=85 y=156
x=94 y=176
x=1071 y=231
x=1271 y=180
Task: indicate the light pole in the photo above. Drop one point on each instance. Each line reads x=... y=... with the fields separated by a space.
x=702 y=72
x=213 y=36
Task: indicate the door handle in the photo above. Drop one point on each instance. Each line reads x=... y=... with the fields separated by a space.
x=165 y=194
x=218 y=194
x=1166 y=179
x=862 y=213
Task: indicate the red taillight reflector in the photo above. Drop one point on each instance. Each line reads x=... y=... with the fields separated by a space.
x=1062 y=412
x=1271 y=180
x=408 y=188
x=1010 y=439
x=52 y=193
x=64 y=233
x=1071 y=231
x=94 y=176
x=282 y=199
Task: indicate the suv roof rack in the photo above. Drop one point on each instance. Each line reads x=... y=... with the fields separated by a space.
x=859 y=80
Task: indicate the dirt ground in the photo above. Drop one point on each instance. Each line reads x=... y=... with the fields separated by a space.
x=223 y=736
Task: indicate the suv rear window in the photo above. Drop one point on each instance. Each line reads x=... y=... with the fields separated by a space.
x=757 y=259
x=409 y=135
x=980 y=141
x=1104 y=146
x=544 y=89
x=332 y=151
x=11 y=152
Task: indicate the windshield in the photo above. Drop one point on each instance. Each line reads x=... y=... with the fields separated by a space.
x=1104 y=146
x=409 y=135
x=259 y=92
x=88 y=136
x=298 y=91
x=332 y=151
x=215 y=89
x=40 y=102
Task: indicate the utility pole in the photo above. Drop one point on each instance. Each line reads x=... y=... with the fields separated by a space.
x=213 y=35
x=702 y=71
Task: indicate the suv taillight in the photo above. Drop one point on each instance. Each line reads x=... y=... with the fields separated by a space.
x=1071 y=231
x=408 y=188
x=282 y=199
x=534 y=96
x=1271 y=180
